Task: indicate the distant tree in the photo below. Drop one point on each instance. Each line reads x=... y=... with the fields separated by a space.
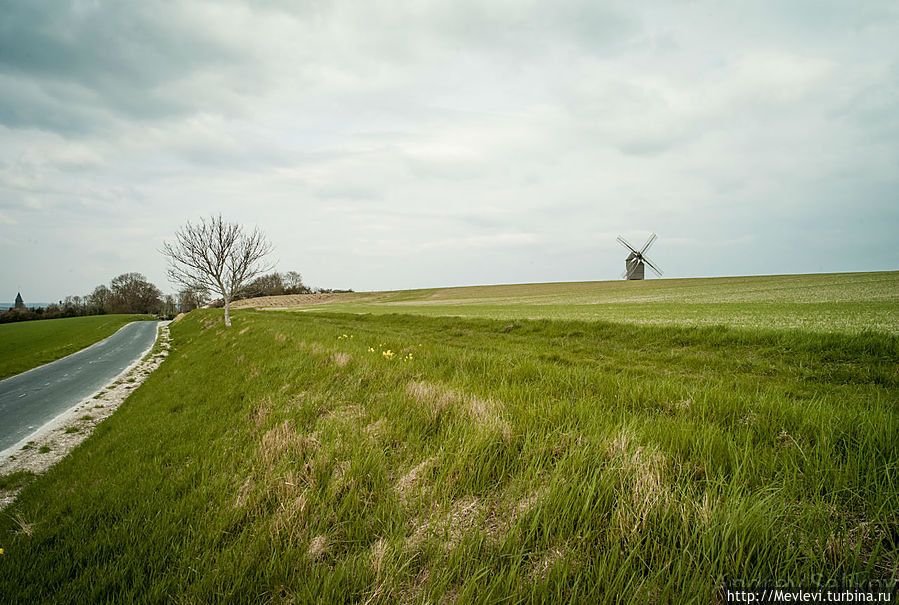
x=99 y=300
x=218 y=256
x=169 y=307
x=275 y=284
x=132 y=293
x=191 y=298
x=17 y=314
x=293 y=284
x=52 y=312
x=264 y=285
x=330 y=290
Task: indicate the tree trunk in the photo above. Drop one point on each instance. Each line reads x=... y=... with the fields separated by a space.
x=227 y=312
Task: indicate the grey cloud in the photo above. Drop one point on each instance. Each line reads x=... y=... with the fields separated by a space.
x=347 y=191
x=91 y=62
x=93 y=43
x=499 y=141
x=76 y=66
x=534 y=26
x=875 y=107
x=48 y=105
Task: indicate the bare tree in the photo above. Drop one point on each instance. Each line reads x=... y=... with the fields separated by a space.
x=293 y=283
x=191 y=298
x=218 y=256
x=168 y=305
x=264 y=285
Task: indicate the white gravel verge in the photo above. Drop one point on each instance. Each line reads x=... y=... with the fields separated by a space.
x=53 y=441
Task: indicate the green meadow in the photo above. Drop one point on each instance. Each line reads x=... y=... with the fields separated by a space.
x=28 y=344
x=375 y=456
x=842 y=302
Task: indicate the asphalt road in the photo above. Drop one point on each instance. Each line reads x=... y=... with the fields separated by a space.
x=33 y=398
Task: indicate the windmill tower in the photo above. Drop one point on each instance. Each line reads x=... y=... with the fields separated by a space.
x=633 y=264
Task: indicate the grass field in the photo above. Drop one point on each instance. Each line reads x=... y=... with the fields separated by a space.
x=842 y=302
x=328 y=457
x=28 y=344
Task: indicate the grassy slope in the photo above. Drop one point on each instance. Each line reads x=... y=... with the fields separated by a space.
x=28 y=344
x=542 y=460
x=846 y=302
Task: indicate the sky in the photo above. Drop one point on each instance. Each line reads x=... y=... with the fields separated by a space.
x=393 y=145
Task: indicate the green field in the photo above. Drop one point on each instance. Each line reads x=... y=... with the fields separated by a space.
x=28 y=344
x=370 y=457
x=842 y=302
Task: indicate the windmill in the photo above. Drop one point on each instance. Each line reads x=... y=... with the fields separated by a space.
x=635 y=260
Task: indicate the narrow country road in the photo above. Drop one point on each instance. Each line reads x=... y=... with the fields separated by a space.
x=35 y=397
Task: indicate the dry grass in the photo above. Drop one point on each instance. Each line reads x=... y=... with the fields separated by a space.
x=485 y=412
x=411 y=481
x=312 y=347
x=540 y=569
x=284 y=440
x=346 y=414
x=435 y=398
x=379 y=554
x=338 y=481
x=699 y=512
x=318 y=548
x=462 y=520
x=412 y=592
x=285 y=301
x=376 y=430
x=643 y=483
x=452 y=526
x=244 y=492
x=22 y=525
x=290 y=518
x=491 y=518
x=340 y=359
x=526 y=504
x=261 y=413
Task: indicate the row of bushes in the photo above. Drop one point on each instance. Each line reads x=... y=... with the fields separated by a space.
x=127 y=293
x=132 y=293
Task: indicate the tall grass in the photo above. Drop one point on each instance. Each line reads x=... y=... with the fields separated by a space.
x=293 y=457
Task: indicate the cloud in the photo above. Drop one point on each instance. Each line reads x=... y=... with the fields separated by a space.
x=119 y=58
x=464 y=141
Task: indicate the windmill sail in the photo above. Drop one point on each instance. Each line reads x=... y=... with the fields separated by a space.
x=635 y=261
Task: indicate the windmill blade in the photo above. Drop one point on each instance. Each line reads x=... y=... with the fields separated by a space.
x=652 y=266
x=625 y=275
x=624 y=243
x=649 y=242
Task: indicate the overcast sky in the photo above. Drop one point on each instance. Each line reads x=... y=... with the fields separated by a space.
x=386 y=145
